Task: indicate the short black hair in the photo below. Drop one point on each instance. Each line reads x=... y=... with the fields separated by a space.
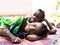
x=44 y=31
x=42 y=12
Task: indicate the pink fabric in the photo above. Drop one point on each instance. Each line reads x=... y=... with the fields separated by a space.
x=45 y=41
x=5 y=40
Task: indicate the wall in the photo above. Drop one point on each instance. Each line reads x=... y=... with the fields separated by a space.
x=13 y=7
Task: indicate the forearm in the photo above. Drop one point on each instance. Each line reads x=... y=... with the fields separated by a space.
x=33 y=37
x=13 y=38
x=50 y=26
x=8 y=33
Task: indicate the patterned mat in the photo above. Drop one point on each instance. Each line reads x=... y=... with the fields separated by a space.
x=50 y=40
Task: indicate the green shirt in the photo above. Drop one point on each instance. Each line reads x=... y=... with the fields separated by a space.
x=4 y=21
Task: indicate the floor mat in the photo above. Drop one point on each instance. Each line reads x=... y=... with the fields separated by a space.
x=46 y=41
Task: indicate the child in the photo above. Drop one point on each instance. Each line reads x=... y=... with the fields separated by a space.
x=34 y=31
x=39 y=16
x=16 y=28
x=40 y=31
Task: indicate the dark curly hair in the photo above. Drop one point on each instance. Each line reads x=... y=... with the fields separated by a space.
x=44 y=31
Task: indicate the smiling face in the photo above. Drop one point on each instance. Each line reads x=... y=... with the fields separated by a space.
x=38 y=15
x=33 y=28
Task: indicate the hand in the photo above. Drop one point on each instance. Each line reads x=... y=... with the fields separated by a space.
x=15 y=39
x=53 y=31
x=32 y=37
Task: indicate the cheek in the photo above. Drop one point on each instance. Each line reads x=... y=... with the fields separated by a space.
x=37 y=31
x=35 y=19
x=27 y=29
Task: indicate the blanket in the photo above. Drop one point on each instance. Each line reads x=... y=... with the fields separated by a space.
x=46 y=41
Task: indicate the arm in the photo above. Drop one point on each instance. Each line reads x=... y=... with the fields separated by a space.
x=50 y=26
x=9 y=34
x=34 y=37
x=52 y=30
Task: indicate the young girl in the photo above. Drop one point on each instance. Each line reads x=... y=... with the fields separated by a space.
x=32 y=31
x=38 y=32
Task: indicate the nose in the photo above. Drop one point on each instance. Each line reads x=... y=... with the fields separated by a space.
x=31 y=27
x=34 y=17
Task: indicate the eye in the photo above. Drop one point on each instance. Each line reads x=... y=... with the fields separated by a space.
x=34 y=25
